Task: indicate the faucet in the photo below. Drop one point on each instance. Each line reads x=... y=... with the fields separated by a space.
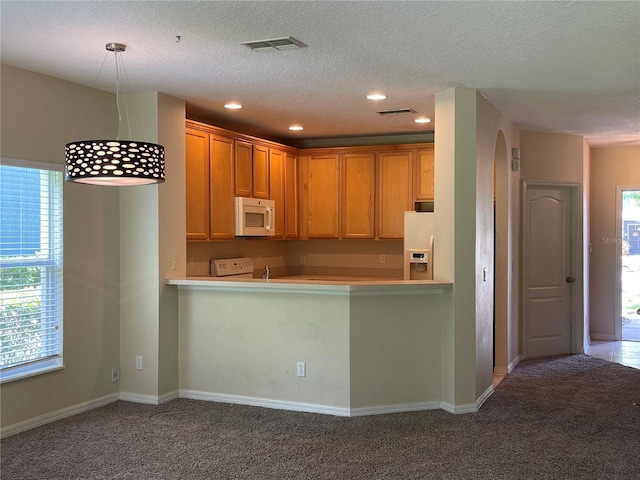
x=265 y=273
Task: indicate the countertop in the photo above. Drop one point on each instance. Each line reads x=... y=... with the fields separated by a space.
x=314 y=284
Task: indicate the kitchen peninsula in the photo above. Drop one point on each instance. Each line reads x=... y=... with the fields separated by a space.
x=368 y=345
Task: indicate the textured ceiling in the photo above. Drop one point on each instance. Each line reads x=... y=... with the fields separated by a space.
x=566 y=67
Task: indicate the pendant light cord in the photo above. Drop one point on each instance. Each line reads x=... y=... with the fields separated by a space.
x=120 y=67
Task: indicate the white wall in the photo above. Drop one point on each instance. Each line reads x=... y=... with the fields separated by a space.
x=465 y=152
x=152 y=229
x=39 y=116
x=610 y=167
x=248 y=344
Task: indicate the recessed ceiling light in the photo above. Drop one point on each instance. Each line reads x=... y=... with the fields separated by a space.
x=376 y=96
x=422 y=120
x=296 y=128
x=233 y=105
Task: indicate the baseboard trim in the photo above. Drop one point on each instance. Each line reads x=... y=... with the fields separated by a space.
x=58 y=415
x=483 y=398
x=514 y=363
x=398 y=408
x=167 y=397
x=264 y=402
x=458 y=409
x=308 y=407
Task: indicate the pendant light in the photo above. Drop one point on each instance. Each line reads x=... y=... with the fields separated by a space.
x=114 y=162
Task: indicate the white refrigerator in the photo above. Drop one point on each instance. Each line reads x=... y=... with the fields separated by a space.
x=418 y=245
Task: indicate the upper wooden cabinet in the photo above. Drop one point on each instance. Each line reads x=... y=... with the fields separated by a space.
x=358 y=192
x=291 y=196
x=319 y=202
x=394 y=192
x=277 y=189
x=283 y=190
x=251 y=164
x=221 y=165
x=323 y=193
x=197 y=178
x=425 y=174
x=357 y=195
x=243 y=162
x=260 y=171
x=221 y=187
x=210 y=185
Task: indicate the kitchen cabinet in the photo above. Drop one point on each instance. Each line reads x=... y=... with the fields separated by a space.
x=358 y=192
x=290 y=196
x=260 y=171
x=243 y=163
x=357 y=195
x=197 y=179
x=221 y=191
x=319 y=206
x=283 y=190
x=394 y=189
x=221 y=165
x=277 y=191
x=251 y=162
x=321 y=193
x=210 y=185
x=425 y=174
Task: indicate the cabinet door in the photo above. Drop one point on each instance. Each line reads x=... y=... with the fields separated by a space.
x=425 y=174
x=394 y=192
x=290 y=196
x=221 y=187
x=197 y=181
x=260 y=171
x=243 y=159
x=357 y=195
x=276 y=189
x=322 y=185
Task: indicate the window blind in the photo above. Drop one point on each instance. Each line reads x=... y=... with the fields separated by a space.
x=30 y=266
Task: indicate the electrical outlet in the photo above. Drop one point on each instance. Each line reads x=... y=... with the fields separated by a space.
x=139 y=362
x=174 y=262
x=301 y=369
x=382 y=258
x=303 y=259
x=115 y=375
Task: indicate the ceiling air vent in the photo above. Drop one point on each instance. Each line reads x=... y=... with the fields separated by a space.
x=287 y=43
x=397 y=111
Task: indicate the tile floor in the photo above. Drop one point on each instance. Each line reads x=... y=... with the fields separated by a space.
x=624 y=352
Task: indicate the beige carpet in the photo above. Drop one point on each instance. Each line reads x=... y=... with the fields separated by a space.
x=572 y=417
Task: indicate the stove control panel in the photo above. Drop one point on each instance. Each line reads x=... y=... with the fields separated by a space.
x=226 y=267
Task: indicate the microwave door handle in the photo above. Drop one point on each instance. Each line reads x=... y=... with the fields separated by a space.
x=270 y=215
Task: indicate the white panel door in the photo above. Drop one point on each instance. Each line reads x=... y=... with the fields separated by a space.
x=547 y=271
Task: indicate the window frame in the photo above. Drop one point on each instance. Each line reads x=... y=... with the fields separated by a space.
x=47 y=363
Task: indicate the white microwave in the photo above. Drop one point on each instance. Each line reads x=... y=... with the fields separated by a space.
x=255 y=217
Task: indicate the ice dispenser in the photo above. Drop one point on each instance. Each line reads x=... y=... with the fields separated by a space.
x=419 y=265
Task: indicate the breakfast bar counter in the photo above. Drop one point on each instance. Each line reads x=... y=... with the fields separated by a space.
x=366 y=345
x=348 y=285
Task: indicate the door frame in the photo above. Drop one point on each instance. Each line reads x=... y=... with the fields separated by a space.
x=618 y=271
x=578 y=326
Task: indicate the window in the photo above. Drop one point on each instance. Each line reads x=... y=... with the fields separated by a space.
x=30 y=271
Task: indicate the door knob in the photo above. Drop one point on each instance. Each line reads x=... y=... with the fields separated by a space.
x=570 y=279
